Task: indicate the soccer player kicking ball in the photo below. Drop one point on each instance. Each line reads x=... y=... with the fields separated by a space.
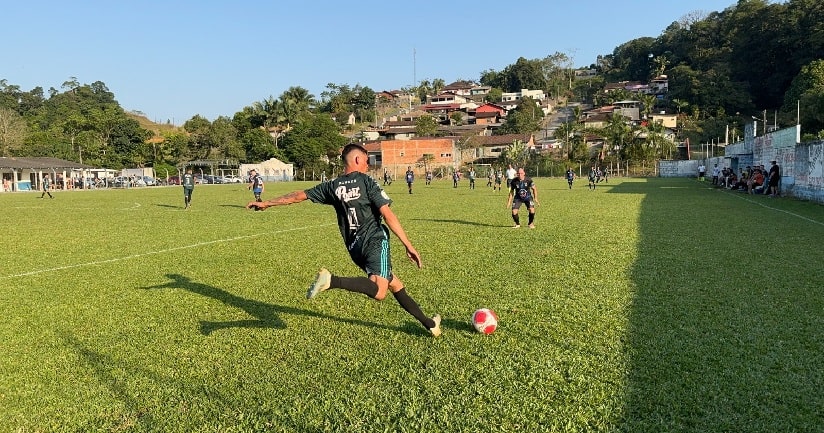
x=360 y=205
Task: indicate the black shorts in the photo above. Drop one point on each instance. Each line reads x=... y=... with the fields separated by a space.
x=516 y=204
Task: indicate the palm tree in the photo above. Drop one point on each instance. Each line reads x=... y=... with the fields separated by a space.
x=648 y=101
x=270 y=110
x=615 y=133
x=295 y=102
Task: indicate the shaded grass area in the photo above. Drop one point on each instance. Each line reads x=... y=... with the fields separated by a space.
x=126 y=313
x=725 y=325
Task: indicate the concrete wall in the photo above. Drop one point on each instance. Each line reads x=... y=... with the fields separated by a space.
x=802 y=164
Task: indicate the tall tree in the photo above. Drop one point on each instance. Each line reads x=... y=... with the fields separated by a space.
x=313 y=142
x=12 y=131
x=524 y=119
x=426 y=126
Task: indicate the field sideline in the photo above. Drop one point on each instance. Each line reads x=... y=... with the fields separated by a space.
x=648 y=305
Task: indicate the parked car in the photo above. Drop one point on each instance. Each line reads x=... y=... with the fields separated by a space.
x=232 y=179
x=173 y=180
x=150 y=181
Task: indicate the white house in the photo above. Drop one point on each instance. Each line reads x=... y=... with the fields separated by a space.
x=272 y=170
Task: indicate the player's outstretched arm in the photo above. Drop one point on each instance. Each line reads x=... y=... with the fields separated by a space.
x=395 y=225
x=290 y=198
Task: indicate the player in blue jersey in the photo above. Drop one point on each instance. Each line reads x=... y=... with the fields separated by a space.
x=361 y=206
x=255 y=183
x=410 y=177
x=570 y=176
x=522 y=191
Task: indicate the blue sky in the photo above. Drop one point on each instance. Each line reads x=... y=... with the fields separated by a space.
x=174 y=59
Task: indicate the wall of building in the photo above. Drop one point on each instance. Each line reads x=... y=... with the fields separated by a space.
x=802 y=164
x=397 y=154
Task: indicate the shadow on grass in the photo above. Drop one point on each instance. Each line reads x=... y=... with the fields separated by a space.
x=169 y=206
x=716 y=341
x=471 y=223
x=265 y=315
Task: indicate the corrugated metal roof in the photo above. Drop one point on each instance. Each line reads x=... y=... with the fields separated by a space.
x=40 y=163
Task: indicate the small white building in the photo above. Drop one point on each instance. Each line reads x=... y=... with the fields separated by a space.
x=272 y=170
x=537 y=95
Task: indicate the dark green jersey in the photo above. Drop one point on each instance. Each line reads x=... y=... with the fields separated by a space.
x=46 y=183
x=357 y=200
x=188 y=180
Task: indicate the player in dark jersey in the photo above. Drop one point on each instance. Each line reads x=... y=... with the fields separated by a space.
x=593 y=178
x=46 y=186
x=570 y=176
x=360 y=205
x=188 y=182
x=499 y=175
x=410 y=177
x=255 y=183
x=522 y=192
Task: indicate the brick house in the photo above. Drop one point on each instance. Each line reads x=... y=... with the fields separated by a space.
x=396 y=155
x=487 y=149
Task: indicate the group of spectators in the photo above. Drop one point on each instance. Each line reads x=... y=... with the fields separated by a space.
x=752 y=179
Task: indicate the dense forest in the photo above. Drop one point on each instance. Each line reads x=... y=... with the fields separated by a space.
x=753 y=59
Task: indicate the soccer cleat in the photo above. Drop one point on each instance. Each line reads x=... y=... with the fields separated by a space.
x=516 y=226
x=532 y=226
x=436 y=330
x=322 y=282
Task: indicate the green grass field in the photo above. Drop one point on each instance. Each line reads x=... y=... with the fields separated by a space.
x=649 y=305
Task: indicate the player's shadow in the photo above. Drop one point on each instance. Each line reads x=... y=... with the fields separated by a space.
x=265 y=315
x=168 y=206
x=471 y=223
x=239 y=206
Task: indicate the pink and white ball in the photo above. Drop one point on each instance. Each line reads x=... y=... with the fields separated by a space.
x=485 y=321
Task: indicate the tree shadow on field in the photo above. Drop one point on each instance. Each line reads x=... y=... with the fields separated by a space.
x=265 y=315
x=706 y=350
x=471 y=223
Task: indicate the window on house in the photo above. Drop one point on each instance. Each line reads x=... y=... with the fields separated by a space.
x=401 y=154
x=446 y=155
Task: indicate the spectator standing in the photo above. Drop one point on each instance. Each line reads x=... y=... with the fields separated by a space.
x=471 y=177
x=456 y=176
x=775 y=177
x=716 y=173
x=702 y=170
x=429 y=177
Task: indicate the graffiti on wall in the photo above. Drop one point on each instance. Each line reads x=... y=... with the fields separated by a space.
x=813 y=175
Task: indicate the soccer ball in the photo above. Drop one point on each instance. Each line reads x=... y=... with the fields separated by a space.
x=485 y=321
